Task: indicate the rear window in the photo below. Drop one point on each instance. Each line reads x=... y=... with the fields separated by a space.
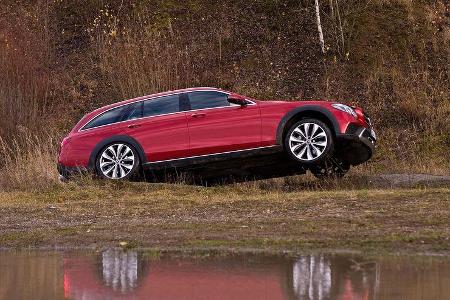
x=162 y=105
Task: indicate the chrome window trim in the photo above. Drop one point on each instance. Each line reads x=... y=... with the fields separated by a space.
x=129 y=103
x=204 y=155
x=228 y=106
x=82 y=129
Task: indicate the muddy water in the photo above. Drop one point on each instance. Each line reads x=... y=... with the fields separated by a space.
x=114 y=274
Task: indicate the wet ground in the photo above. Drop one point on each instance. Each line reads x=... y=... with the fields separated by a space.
x=117 y=274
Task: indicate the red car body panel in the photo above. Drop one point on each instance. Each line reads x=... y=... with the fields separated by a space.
x=224 y=129
x=167 y=280
x=76 y=152
x=196 y=132
x=161 y=137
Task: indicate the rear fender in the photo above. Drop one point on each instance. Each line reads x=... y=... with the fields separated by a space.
x=116 y=139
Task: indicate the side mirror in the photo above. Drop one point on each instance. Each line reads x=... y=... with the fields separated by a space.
x=237 y=100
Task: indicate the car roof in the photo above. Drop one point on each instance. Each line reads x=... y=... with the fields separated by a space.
x=167 y=93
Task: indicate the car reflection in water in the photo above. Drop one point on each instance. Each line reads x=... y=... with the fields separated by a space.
x=127 y=275
x=319 y=277
x=114 y=275
x=120 y=270
x=134 y=275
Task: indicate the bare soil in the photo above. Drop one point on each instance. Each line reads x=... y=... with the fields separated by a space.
x=406 y=213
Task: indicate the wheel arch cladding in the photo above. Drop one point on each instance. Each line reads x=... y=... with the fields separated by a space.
x=307 y=111
x=117 y=139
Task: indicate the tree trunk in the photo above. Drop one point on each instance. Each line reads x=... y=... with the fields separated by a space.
x=319 y=27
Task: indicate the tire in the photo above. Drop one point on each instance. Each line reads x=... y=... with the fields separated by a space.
x=309 y=141
x=117 y=161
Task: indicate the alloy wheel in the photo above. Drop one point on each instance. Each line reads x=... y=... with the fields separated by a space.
x=308 y=141
x=117 y=161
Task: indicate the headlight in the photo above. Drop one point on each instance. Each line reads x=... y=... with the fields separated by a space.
x=345 y=108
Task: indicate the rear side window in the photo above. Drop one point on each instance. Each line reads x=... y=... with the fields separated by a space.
x=133 y=111
x=162 y=105
x=119 y=114
x=109 y=117
x=208 y=99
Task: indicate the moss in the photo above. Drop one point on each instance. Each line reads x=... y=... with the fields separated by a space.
x=23 y=239
x=151 y=254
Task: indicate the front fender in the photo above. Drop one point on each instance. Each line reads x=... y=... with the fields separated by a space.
x=303 y=110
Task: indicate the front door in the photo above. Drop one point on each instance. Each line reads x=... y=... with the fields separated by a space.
x=216 y=126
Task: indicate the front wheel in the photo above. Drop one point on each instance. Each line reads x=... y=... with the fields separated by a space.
x=117 y=161
x=309 y=141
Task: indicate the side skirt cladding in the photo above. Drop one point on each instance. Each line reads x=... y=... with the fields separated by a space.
x=213 y=158
x=116 y=139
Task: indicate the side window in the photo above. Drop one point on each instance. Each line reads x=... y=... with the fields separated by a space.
x=133 y=111
x=119 y=114
x=162 y=105
x=200 y=100
x=111 y=116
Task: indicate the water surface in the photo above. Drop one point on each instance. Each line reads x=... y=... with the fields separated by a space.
x=114 y=274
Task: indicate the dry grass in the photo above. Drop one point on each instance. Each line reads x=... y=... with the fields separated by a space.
x=144 y=64
x=28 y=162
x=160 y=215
x=395 y=65
x=26 y=82
x=390 y=57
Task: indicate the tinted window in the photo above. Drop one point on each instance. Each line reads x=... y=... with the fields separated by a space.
x=133 y=111
x=211 y=99
x=162 y=105
x=109 y=117
x=122 y=113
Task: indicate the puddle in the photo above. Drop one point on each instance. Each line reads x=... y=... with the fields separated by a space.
x=114 y=274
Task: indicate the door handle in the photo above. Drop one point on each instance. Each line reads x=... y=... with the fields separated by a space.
x=198 y=115
x=131 y=126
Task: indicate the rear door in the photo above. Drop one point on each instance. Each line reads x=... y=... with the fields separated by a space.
x=216 y=126
x=162 y=129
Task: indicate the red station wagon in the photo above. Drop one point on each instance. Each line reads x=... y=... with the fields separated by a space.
x=197 y=126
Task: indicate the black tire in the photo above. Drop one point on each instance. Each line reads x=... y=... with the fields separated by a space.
x=135 y=167
x=328 y=148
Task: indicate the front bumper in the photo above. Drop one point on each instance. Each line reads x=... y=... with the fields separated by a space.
x=357 y=145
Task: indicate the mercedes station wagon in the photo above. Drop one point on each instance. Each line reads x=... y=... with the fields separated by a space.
x=199 y=127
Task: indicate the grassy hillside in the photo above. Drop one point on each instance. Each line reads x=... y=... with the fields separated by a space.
x=60 y=59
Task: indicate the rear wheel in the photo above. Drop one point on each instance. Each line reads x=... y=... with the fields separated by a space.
x=309 y=141
x=117 y=161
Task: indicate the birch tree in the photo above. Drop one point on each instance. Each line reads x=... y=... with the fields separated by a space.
x=319 y=26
